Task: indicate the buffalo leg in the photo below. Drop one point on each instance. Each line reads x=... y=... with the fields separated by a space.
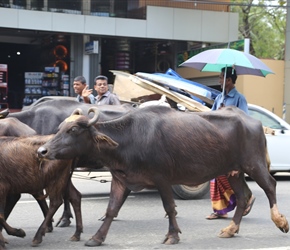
x=11 y=200
x=44 y=208
x=118 y=195
x=268 y=184
x=2 y=242
x=243 y=194
x=64 y=220
x=55 y=203
x=169 y=207
x=10 y=230
x=75 y=199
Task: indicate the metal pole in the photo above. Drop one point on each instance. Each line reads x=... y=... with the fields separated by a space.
x=287 y=65
x=247 y=45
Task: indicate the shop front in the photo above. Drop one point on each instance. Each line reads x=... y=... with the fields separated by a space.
x=36 y=67
x=45 y=64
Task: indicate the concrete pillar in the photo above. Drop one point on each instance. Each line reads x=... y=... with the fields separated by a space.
x=287 y=66
x=86 y=7
x=112 y=8
x=28 y=4
x=86 y=58
x=45 y=5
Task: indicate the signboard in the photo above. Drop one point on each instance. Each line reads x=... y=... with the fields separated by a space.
x=3 y=75
x=183 y=56
x=92 y=47
x=3 y=67
x=51 y=69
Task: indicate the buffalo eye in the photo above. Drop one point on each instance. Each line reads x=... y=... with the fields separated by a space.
x=73 y=130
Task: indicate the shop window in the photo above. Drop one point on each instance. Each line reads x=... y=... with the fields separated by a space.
x=4 y=3
x=121 y=8
x=19 y=4
x=66 y=6
x=100 y=8
x=36 y=5
x=109 y=8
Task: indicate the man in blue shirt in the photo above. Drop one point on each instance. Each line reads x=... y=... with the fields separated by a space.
x=222 y=196
x=81 y=88
x=231 y=96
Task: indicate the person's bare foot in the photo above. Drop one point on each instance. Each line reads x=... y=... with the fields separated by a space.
x=214 y=216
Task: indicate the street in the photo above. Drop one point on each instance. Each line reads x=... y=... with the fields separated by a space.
x=141 y=223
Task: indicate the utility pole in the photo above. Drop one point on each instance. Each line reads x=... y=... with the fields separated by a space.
x=287 y=66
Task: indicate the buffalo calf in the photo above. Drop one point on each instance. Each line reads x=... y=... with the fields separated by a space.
x=22 y=172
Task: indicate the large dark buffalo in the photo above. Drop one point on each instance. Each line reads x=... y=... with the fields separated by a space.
x=45 y=116
x=47 y=113
x=159 y=147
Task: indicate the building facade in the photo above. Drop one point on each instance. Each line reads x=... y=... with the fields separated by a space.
x=91 y=37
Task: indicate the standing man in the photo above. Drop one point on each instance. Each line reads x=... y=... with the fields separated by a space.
x=81 y=89
x=222 y=196
x=104 y=97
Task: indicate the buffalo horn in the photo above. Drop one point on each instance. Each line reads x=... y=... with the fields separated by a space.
x=77 y=111
x=96 y=115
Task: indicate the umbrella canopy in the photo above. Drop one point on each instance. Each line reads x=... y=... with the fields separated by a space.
x=214 y=60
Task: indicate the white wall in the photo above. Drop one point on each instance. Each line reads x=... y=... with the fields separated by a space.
x=161 y=23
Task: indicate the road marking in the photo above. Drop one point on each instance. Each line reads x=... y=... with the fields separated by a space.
x=271 y=248
x=84 y=198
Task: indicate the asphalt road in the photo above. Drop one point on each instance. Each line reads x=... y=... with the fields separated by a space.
x=141 y=223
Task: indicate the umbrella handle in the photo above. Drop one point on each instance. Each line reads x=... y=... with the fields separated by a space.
x=224 y=84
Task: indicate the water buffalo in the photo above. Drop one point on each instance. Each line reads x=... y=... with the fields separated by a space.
x=158 y=147
x=13 y=127
x=22 y=172
x=46 y=115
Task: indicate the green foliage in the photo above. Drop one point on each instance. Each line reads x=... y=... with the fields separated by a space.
x=264 y=23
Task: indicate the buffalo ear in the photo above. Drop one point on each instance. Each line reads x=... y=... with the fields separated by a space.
x=105 y=141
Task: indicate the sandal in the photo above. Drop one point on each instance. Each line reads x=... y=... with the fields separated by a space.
x=249 y=206
x=214 y=216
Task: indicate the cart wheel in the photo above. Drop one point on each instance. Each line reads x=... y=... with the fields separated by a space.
x=191 y=192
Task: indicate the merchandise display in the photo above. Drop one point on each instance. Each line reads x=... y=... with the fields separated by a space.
x=47 y=83
x=3 y=86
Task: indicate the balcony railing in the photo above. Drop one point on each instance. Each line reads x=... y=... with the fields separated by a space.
x=112 y=8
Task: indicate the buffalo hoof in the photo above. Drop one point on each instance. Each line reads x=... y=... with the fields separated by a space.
x=229 y=231
x=171 y=240
x=20 y=233
x=285 y=229
x=35 y=243
x=93 y=243
x=283 y=225
x=63 y=222
x=49 y=229
x=75 y=238
x=2 y=246
x=225 y=235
